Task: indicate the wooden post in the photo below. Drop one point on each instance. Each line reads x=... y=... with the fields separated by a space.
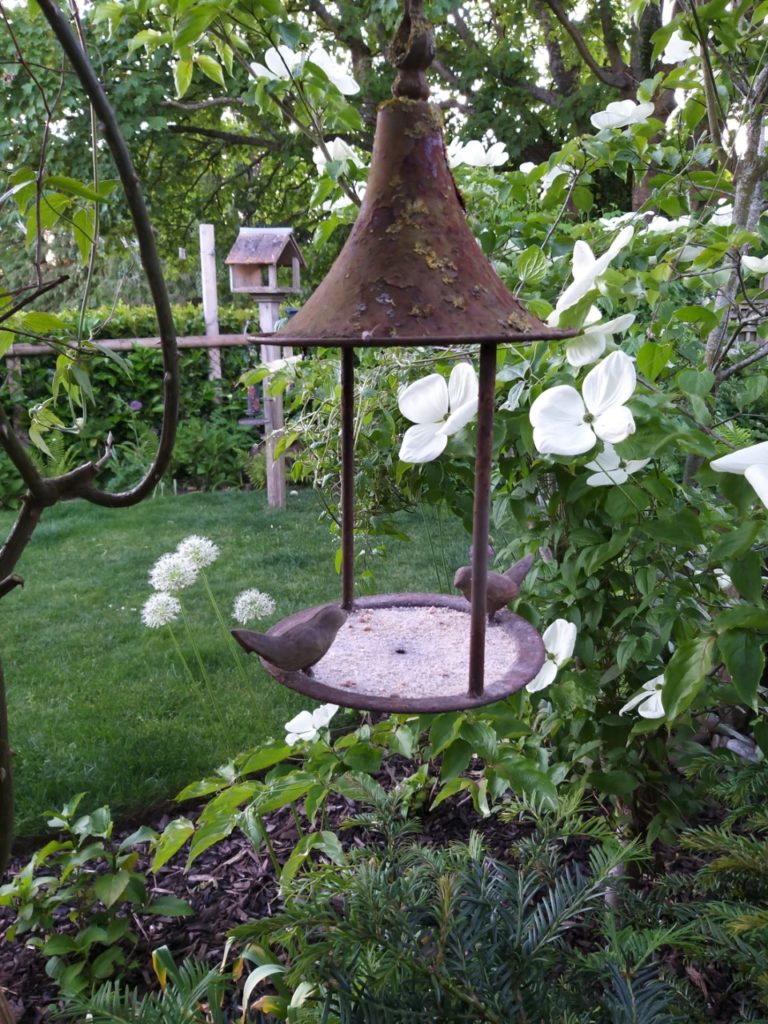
x=273 y=409
x=210 y=295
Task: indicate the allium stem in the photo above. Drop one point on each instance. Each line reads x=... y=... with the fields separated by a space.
x=201 y=666
x=227 y=636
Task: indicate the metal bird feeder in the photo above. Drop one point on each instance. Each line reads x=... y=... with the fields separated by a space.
x=411 y=274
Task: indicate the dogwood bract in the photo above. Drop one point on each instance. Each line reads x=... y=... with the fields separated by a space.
x=559 y=641
x=591 y=343
x=609 y=468
x=306 y=724
x=565 y=423
x=586 y=269
x=621 y=114
x=757 y=264
x=751 y=463
x=647 y=700
x=427 y=402
x=475 y=154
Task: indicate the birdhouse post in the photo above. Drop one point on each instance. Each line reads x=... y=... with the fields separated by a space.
x=266 y=263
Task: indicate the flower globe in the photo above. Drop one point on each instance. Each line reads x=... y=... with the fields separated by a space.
x=438 y=410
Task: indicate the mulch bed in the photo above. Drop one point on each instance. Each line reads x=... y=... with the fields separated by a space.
x=229 y=884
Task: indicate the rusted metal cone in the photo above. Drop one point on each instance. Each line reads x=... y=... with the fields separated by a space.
x=411 y=269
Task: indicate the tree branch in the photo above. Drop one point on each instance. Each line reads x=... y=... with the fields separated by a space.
x=619 y=80
x=233 y=138
x=214 y=101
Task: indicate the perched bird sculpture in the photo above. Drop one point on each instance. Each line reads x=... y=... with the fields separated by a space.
x=502 y=587
x=300 y=646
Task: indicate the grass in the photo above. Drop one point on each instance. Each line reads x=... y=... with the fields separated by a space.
x=99 y=703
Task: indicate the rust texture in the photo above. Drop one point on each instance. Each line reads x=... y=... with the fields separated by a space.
x=524 y=669
x=347 y=478
x=411 y=269
x=481 y=518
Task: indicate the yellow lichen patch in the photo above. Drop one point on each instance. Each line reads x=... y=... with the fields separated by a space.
x=421 y=311
x=457 y=301
x=433 y=260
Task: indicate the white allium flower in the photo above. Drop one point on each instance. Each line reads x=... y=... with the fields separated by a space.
x=306 y=724
x=199 y=550
x=252 y=604
x=161 y=609
x=564 y=423
x=677 y=49
x=647 y=700
x=172 y=572
x=752 y=463
x=475 y=154
x=426 y=403
x=591 y=343
x=756 y=264
x=621 y=114
x=609 y=468
x=587 y=269
x=559 y=641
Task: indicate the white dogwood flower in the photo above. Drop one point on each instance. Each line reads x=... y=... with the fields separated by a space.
x=306 y=725
x=751 y=463
x=337 y=73
x=591 y=343
x=677 y=50
x=559 y=641
x=621 y=114
x=565 y=423
x=281 y=63
x=647 y=700
x=339 y=152
x=609 y=468
x=427 y=402
x=475 y=154
x=586 y=270
x=756 y=264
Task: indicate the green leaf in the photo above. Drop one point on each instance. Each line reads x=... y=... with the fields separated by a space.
x=742 y=617
x=326 y=842
x=211 y=68
x=173 y=837
x=42 y=323
x=193 y=24
x=444 y=730
x=84 y=231
x=735 y=542
x=746 y=573
x=686 y=673
x=680 y=528
x=696 y=382
x=697 y=315
x=265 y=757
x=614 y=783
x=207 y=835
x=455 y=759
x=62 y=183
x=743 y=654
x=284 y=791
x=450 y=789
x=363 y=757
x=182 y=77
x=532 y=265
x=525 y=776
x=652 y=358
x=169 y=906
x=109 y=888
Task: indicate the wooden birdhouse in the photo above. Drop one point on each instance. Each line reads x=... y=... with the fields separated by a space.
x=265 y=261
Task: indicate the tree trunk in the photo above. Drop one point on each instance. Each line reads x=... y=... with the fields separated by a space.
x=6 y=1016
x=6 y=791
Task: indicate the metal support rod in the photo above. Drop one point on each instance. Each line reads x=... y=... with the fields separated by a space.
x=347 y=477
x=481 y=518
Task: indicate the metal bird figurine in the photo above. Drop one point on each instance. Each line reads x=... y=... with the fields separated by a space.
x=300 y=646
x=502 y=587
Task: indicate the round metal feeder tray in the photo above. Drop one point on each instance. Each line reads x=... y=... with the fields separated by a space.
x=529 y=657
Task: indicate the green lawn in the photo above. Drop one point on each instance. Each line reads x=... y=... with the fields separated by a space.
x=100 y=703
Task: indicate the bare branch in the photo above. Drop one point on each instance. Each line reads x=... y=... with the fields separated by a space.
x=619 y=80
x=233 y=138
x=214 y=101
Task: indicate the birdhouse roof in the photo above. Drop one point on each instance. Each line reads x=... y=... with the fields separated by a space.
x=265 y=247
